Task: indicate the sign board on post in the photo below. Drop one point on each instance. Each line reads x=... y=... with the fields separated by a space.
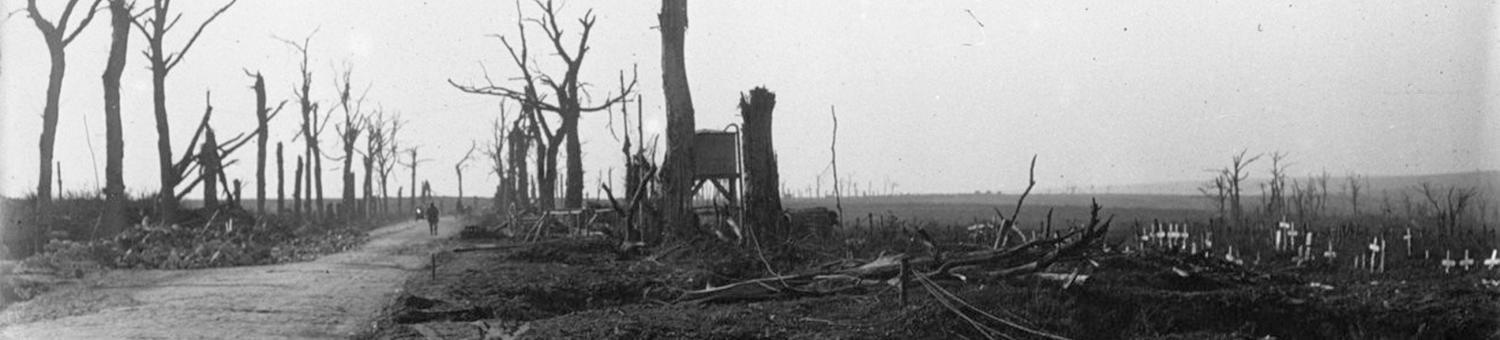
x=716 y=154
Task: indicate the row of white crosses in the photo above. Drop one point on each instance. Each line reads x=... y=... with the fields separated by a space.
x=1286 y=237
x=1174 y=237
x=1289 y=238
x=1468 y=263
x=1448 y=262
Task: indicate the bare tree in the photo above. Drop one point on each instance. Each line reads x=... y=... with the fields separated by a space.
x=1236 y=176
x=495 y=151
x=57 y=37
x=114 y=173
x=388 y=158
x=568 y=98
x=426 y=191
x=1448 y=205
x=373 y=122
x=1353 y=184
x=1322 y=193
x=154 y=26
x=1276 y=196
x=458 y=169
x=412 y=166
x=1217 y=191
x=349 y=131
x=677 y=172
x=381 y=148
x=263 y=115
x=311 y=127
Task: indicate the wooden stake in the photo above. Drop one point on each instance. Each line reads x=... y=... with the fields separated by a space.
x=901 y=287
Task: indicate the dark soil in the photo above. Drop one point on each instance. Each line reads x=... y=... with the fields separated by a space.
x=581 y=288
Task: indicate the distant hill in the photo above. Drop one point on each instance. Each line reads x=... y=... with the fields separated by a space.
x=1487 y=181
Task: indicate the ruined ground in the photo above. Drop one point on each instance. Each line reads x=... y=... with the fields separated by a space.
x=581 y=288
x=585 y=288
x=334 y=296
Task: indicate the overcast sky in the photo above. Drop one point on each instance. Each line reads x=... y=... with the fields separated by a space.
x=938 y=96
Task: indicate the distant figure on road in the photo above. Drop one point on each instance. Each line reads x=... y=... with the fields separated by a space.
x=432 y=217
x=419 y=214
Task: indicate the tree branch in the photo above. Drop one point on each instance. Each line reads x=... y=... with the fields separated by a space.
x=94 y=8
x=183 y=52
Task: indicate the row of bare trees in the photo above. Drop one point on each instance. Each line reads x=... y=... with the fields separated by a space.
x=524 y=148
x=153 y=23
x=204 y=163
x=567 y=100
x=1308 y=199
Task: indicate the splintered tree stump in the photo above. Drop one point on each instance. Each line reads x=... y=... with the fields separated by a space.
x=762 y=192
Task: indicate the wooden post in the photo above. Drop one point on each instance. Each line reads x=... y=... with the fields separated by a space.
x=901 y=287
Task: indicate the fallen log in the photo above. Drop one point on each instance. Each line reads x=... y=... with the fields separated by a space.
x=484 y=247
x=992 y=264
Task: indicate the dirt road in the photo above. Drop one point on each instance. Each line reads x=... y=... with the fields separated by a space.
x=332 y=297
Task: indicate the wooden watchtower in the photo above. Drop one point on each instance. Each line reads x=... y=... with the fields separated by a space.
x=718 y=161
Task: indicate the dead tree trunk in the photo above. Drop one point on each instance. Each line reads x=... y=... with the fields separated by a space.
x=317 y=183
x=762 y=201
x=519 y=149
x=309 y=129
x=365 y=207
x=1237 y=175
x=280 y=180
x=297 y=189
x=354 y=123
x=458 y=169
x=57 y=38
x=155 y=25
x=209 y=160
x=114 y=178
x=261 y=112
x=677 y=167
x=413 y=169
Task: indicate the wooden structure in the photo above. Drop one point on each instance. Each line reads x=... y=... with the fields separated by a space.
x=718 y=162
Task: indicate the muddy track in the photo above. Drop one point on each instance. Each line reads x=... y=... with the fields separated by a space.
x=334 y=296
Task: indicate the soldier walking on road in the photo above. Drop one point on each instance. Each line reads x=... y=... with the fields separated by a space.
x=432 y=218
